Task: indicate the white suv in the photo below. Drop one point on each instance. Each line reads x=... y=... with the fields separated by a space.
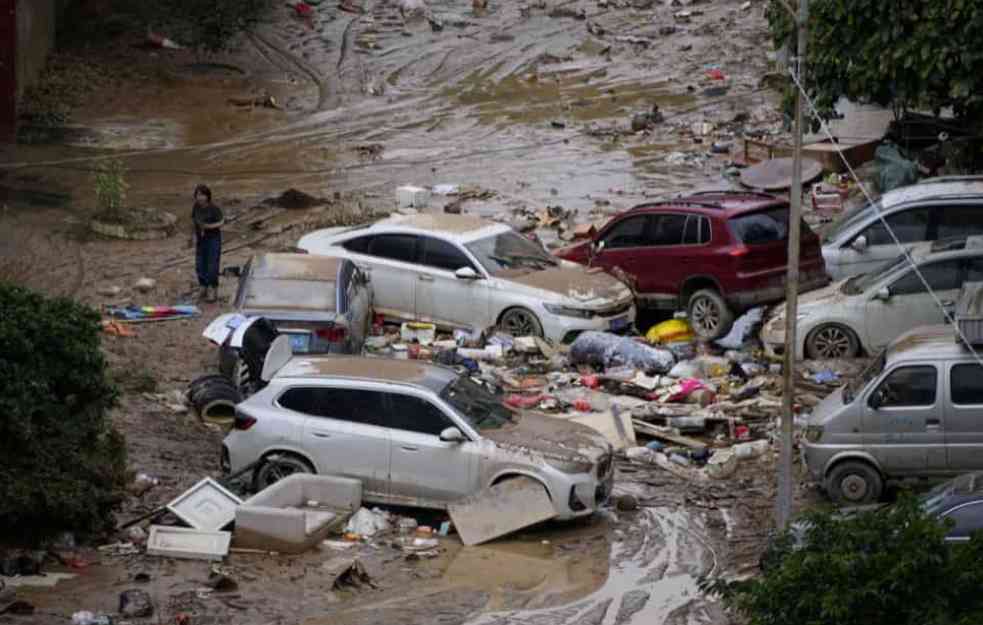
x=414 y=434
x=461 y=271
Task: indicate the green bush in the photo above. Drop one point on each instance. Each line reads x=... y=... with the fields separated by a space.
x=62 y=465
x=888 y=567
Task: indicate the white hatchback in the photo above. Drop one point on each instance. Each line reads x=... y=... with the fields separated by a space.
x=460 y=271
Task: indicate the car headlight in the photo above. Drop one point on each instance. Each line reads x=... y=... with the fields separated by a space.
x=570 y=466
x=813 y=433
x=569 y=311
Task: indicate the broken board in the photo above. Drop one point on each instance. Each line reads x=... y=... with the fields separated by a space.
x=501 y=509
x=650 y=430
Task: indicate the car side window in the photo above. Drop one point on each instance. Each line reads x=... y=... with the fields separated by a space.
x=629 y=232
x=359 y=245
x=414 y=414
x=401 y=247
x=696 y=231
x=959 y=221
x=668 y=229
x=908 y=386
x=968 y=519
x=443 y=255
x=910 y=226
x=343 y=404
x=966 y=384
x=943 y=276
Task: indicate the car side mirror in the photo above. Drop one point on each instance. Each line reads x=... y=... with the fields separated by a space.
x=883 y=294
x=859 y=244
x=452 y=435
x=466 y=273
x=876 y=399
x=597 y=247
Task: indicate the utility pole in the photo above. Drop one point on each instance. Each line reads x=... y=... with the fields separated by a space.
x=783 y=509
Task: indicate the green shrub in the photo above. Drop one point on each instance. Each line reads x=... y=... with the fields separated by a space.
x=111 y=186
x=888 y=567
x=62 y=465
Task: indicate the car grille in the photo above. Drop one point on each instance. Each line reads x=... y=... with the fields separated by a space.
x=604 y=466
x=618 y=309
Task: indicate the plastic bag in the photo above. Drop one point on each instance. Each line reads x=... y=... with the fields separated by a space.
x=670 y=331
x=609 y=350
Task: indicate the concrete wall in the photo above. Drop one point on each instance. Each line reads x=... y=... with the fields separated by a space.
x=35 y=38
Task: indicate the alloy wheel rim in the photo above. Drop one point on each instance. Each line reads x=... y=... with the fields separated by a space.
x=519 y=323
x=832 y=343
x=705 y=315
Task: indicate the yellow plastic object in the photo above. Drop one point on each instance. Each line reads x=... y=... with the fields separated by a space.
x=671 y=331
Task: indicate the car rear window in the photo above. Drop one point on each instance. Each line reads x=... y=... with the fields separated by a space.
x=290 y=294
x=764 y=227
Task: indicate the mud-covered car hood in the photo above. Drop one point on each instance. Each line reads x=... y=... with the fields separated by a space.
x=575 y=283
x=552 y=437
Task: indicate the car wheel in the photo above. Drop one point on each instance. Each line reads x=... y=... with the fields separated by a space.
x=520 y=322
x=709 y=315
x=274 y=470
x=831 y=341
x=854 y=483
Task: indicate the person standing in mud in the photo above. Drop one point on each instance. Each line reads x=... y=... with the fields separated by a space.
x=207 y=221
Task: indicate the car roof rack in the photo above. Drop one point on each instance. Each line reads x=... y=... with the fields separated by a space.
x=744 y=192
x=679 y=203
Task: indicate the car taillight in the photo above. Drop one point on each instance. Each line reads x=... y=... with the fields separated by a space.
x=334 y=334
x=243 y=421
x=739 y=251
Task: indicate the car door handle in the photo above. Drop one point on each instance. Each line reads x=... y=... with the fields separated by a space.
x=933 y=425
x=948 y=302
x=320 y=434
x=409 y=448
x=425 y=278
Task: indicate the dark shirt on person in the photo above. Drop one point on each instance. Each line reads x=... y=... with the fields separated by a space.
x=207 y=214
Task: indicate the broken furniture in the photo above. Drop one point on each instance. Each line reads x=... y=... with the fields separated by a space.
x=296 y=513
x=501 y=509
x=183 y=542
x=205 y=506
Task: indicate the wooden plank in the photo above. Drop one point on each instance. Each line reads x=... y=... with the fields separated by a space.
x=650 y=430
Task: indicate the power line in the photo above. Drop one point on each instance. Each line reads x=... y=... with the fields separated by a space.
x=877 y=211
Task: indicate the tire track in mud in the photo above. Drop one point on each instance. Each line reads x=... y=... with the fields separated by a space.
x=652 y=580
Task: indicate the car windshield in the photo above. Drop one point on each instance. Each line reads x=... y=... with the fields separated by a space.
x=848 y=220
x=859 y=284
x=873 y=370
x=509 y=250
x=477 y=404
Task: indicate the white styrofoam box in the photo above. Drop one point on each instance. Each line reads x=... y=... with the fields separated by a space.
x=182 y=542
x=205 y=506
x=412 y=197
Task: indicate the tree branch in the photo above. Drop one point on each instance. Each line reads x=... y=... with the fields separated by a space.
x=791 y=11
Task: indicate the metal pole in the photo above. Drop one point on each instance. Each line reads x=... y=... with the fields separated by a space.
x=785 y=482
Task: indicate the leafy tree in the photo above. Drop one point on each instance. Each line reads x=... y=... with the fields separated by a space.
x=62 y=465
x=887 y=567
x=900 y=53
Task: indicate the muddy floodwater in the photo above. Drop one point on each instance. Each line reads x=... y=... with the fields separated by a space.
x=528 y=103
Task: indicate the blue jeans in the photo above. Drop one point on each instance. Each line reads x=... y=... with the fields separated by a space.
x=208 y=257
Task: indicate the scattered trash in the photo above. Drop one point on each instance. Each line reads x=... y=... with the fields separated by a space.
x=221 y=583
x=412 y=197
x=143 y=314
x=368 y=523
x=84 y=617
x=160 y=41
x=722 y=464
x=135 y=603
x=418 y=332
x=347 y=573
x=109 y=291
x=670 y=331
x=826 y=376
x=205 y=506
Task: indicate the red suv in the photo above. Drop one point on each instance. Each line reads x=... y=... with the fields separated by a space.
x=717 y=253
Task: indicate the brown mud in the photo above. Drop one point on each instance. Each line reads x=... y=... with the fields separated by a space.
x=534 y=107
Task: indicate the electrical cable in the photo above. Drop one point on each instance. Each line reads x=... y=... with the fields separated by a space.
x=877 y=211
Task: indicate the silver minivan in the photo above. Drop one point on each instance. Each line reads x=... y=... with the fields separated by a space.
x=933 y=209
x=915 y=412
